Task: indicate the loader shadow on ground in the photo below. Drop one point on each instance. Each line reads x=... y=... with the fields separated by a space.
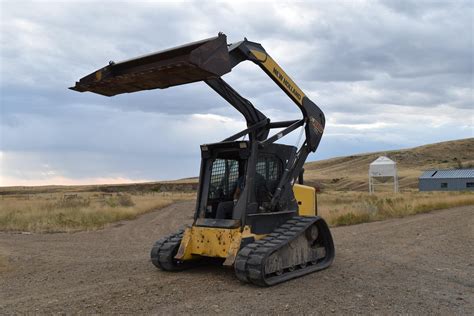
x=209 y=269
x=418 y=264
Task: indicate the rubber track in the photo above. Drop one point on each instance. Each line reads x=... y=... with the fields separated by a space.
x=163 y=252
x=250 y=262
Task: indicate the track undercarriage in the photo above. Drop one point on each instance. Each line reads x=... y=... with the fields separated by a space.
x=300 y=246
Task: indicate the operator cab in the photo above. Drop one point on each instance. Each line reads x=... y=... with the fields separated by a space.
x=225 y=169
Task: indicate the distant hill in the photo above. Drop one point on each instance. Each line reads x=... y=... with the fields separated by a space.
x=351 y=172
x=341 y=173
x=185 y=185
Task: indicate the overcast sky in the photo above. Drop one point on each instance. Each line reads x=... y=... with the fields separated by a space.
x=387 y=74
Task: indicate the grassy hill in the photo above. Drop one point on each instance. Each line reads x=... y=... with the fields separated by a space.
x=351 y=172
x=184 y=185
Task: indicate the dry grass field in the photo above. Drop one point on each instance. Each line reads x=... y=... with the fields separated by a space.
x=347 y=208
x=56 y=212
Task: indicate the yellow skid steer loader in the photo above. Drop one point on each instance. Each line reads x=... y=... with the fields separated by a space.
x=250 y=212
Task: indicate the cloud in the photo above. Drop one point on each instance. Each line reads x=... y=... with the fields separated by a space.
x=382 y=71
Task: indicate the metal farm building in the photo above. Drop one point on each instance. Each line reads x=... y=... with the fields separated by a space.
x=447 y=180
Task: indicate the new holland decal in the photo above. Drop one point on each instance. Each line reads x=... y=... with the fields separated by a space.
x=286 y=83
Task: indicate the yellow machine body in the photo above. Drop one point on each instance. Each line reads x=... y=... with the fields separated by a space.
x=306 y=197
x=225 y=242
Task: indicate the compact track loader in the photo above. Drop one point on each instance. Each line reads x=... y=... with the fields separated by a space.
x=250 y=212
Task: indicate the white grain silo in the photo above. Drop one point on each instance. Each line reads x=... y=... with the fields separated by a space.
x=381 y=170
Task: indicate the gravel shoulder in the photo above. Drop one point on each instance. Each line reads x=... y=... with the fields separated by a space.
x=420 y=264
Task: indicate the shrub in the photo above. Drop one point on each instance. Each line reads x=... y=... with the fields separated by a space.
x=120 y=200
x=350 y=219
x=72 y=203
x=125 y=200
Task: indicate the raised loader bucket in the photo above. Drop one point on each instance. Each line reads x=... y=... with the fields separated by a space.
x=196 y=61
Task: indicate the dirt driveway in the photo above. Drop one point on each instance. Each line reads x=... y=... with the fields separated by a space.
x=420 y=265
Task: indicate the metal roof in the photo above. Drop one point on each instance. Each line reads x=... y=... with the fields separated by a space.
x=448 y=174
x=382 y=160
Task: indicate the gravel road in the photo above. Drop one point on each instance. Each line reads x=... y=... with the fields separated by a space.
x=421 y=264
